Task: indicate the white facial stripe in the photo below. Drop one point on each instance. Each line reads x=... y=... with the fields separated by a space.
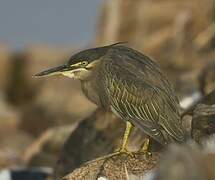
x=68 y=74
x=71 y=74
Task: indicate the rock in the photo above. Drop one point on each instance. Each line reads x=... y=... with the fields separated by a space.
x=207 y=78
x=45 y=149
x=20 y=90
x=96 y=136
x=205 y=40
x=147 y=17
x=9 y=116
x=13 y=145
x=209 y=99
x=12 y=140
x=36 y=119
x=186 y=163
x=203 y=121
x=4 y=66
x=115 y=167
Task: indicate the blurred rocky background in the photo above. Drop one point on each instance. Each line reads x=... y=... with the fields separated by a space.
x=49 y=123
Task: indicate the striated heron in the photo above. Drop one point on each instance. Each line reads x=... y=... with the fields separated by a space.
x=132 y=86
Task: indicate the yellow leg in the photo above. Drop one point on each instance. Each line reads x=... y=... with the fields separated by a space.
x=127 y=132
x=145 y=147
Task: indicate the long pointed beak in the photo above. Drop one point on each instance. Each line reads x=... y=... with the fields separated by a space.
x=53 y=71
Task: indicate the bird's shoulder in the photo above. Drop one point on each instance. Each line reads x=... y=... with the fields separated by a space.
x=131 y=67
x=123 y=57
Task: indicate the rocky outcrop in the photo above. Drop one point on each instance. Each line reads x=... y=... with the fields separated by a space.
x=203 y=122
x=96 y=136
x=121 y=166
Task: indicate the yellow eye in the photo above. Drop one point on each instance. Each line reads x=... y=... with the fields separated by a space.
x=84 y=63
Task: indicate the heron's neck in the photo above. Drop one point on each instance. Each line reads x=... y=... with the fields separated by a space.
x=83 y=75
x=89 y=89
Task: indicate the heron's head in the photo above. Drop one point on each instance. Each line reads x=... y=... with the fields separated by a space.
x=80 y=65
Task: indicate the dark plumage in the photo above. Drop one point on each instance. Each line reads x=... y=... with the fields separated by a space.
x=131 y=85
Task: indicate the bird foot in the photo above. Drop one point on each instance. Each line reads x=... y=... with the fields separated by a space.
x=145 y=148
x=123 y=151
x=147 y=154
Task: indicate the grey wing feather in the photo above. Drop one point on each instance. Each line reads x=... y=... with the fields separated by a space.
x=149 y=107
